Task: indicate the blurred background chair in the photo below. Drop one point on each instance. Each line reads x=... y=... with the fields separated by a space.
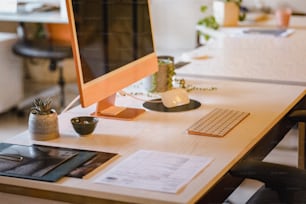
x=54 y=45
x=282 y=183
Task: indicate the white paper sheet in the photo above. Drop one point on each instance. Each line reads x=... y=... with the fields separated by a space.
x=156 y=171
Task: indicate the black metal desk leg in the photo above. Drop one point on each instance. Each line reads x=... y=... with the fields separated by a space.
x=61 y=83
x=301 y=145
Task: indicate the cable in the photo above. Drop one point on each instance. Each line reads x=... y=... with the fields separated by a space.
x=71 y=104
x=123 y=93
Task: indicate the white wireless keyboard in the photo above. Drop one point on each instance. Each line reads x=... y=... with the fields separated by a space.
x=218 y=122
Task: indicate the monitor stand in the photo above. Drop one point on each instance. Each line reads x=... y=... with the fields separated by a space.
x=107 y=109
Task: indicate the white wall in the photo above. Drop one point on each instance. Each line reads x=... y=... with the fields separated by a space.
x=11 y=83
x=174 y=23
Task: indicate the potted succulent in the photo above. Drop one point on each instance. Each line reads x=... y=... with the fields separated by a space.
x=43 y=120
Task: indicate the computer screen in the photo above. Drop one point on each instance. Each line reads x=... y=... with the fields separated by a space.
x=113 y=48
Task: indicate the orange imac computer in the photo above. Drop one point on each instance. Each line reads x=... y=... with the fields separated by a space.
x=113 y=48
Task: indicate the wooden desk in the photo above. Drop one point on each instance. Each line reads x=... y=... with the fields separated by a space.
x=267 y=103
x=257 y=58
x=24 y=14
x=296 y=22
x=35 y=17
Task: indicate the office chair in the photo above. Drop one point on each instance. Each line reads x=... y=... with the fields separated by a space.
x=55 y=47
x=283 y=184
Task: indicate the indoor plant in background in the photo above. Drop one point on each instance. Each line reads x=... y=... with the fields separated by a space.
x=43 y=120
x=225 y=13
x=208 y=21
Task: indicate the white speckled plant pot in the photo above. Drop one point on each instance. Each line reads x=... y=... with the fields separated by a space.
x=43 y=127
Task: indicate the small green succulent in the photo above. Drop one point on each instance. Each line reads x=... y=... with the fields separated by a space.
x=42 y=106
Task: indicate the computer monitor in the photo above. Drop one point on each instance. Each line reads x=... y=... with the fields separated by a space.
x=113 y=48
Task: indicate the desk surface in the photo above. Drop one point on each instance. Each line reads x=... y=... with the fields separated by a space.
x=167 y=132
x=260 y=58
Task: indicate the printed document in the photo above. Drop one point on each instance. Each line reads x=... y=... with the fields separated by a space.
x=156 y=171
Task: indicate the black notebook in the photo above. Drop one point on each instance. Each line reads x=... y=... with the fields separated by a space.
x=37 y=162
x=92 y=165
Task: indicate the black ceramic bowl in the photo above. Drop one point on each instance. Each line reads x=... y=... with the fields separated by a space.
x=84 y=125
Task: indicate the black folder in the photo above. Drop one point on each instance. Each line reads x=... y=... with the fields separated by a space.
x=38 y=162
